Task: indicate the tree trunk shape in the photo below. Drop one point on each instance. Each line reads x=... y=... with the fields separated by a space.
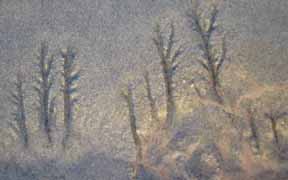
x=133 y=128
x=152 y=103
x=170 y=104
x=253 y=129
x=69 y=78
x=43 y=89
x=52 y=114
x=46 y=119
x=67 y=116
x=20 y=114
x=274 y=130
x=214 y=90
x=22 y=125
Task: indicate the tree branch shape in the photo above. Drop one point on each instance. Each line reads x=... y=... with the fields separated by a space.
x=210 y=62
x=169 y=63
